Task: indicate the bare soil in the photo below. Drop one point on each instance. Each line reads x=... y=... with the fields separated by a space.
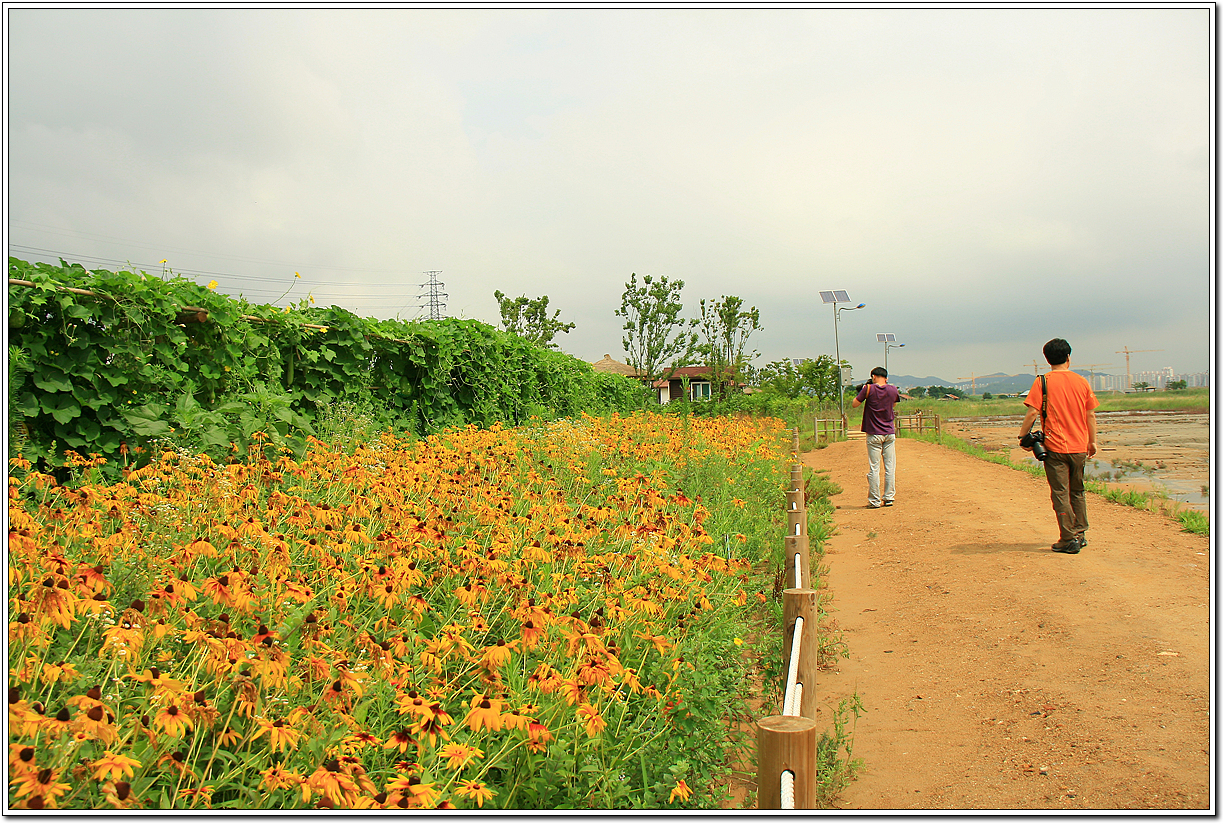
x=999 y=675
x=1176 y=444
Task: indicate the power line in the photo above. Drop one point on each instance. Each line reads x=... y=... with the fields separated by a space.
x=68 y=256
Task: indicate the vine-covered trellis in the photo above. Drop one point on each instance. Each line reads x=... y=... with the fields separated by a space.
x=100 y=362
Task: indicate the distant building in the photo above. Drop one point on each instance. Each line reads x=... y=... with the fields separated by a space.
x=615 y=367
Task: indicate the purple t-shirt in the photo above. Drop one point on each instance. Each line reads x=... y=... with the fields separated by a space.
x=878 y=401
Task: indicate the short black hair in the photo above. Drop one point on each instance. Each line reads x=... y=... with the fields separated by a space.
x=879 y=372
x=1057 y=351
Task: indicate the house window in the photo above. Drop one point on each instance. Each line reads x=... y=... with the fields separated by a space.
x=699 y=391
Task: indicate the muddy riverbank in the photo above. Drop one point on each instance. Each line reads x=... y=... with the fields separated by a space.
x=1167 y=452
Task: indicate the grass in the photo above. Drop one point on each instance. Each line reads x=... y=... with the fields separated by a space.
x=1179 y=400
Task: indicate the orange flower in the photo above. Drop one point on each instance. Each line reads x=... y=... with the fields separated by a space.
x=401 y=739
x=459 y=756
x=594 y=722
x=682 y=790
x=538 y=737
x=475 y=790
x=114 y=766
x=40 y=784
x=486 y=712
x=274 y=778
x=280 y=735
x=173 y=721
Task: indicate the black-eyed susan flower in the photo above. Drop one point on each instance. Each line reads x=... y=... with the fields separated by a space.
x=591 y=719
x=281 y=736
x=459 y=756
x=114 y=766
x=477 y=791
x=485 y=714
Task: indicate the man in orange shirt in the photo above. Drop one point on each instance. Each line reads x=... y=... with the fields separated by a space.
x=1069 y=423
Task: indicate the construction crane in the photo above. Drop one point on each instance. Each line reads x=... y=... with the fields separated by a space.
x=1128 y=353
x=972 y=381
x=1090 y=367
x=1036 y=369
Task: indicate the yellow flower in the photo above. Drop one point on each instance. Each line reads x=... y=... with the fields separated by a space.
x=592 y=719
x=681 y=789
x=475 y=790
x=281 y=736
x=459 y=756
x=116 y=766
x=296 y=275
x=212 y=284
x=738 y=641
x=485 y=713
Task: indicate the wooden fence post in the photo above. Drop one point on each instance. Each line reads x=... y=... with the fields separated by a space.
x=801 y=603
x=786 y=742
x=797 y=544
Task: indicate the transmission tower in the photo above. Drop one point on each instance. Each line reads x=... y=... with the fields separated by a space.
x=432 y=296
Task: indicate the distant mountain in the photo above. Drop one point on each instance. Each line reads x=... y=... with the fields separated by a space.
x=995 y=384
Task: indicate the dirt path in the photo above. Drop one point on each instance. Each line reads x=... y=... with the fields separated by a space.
x=998 y=675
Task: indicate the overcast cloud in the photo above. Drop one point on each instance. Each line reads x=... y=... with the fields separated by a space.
x=983 y=179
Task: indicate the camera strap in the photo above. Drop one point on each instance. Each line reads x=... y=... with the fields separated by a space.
x=1045 y=394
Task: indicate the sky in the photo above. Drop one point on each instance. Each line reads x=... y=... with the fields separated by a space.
x=983 y=179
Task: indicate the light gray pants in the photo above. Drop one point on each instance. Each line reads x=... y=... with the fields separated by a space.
x=885 y=445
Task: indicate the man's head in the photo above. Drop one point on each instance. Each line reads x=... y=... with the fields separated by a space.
x=1057 y=352
x=881 y=373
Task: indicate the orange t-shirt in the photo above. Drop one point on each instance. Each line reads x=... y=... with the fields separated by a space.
x=1066 y=423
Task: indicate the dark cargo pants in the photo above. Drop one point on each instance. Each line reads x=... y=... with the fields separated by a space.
x=1065 y=474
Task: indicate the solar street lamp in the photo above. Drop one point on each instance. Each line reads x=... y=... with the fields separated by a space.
x=835 y=298
x=889 y=341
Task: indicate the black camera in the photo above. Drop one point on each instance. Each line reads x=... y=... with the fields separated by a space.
x=1036 y=442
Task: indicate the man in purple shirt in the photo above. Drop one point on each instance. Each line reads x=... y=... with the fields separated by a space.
x=879 y=398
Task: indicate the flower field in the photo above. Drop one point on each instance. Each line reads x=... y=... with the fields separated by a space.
x=544 y=617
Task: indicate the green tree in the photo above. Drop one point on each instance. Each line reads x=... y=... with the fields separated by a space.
x=725 y=328
x=1179 y=384
x=528 y=319
x=657 y=340
x=1140 y=386
x=812 y=378
x=916 y=392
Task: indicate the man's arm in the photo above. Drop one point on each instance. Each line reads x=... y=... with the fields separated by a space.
x=1032 y=416
x=1092 y=433
x=856 y=403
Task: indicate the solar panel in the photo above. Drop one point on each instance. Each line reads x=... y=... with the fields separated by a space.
x=837 y=296
x=827 y=297
x=886 y=337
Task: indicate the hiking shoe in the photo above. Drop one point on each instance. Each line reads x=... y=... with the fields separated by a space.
x=1083 y=540
x=888 y=503
x=1070 y=547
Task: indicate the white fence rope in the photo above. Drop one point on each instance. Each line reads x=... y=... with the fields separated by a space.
x=790 y=706
x=787 y=790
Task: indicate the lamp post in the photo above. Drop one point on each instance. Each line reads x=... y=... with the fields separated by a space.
x=888 y=346
x=890 y=342
x=835 y=298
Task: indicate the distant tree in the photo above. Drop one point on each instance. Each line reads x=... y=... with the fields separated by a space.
x=528 y=318
x=725 y=328
x=812 y=378
x=986 y=396
x=1140 y=386
x=1178 y=384
x=942 y=391
x=915 y=392
x=657 y=340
